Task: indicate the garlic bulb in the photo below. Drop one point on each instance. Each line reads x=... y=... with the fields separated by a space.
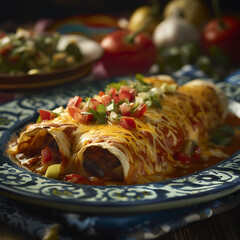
x=174 y=30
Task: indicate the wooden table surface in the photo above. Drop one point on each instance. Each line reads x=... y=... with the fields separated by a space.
x=225 y=226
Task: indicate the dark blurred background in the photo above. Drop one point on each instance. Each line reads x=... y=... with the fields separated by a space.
x=21 y=11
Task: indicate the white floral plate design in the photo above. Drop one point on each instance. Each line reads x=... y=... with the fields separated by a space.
x=218 y=181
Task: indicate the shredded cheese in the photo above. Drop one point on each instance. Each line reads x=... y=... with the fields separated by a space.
x=188 y=113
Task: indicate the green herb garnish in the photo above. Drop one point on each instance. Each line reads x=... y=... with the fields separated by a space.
x=99 y=115
x=116 y=85
x=222 y=135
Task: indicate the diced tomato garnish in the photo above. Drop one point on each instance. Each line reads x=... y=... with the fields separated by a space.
x=84 y=118
x=74 y=178
x=127 y=92
x=46 y=155
x=76 y=113
x=46 y=115
x=74 y=102
x=116 y=99
x=73 y=110
x=113 y=92
x=127 y=122
x=125 y=109
x=5 y=50
x=186 y=158
x=140 y=110
x=183 y=157
x=101 y=93
x=196 y=153
x=93 y=103
x=106 y=99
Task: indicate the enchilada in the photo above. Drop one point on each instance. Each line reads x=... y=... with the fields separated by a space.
x=134 y=132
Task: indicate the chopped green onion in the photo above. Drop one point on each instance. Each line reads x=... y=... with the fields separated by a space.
x=140 y=85
x=111 y=106
x=155 y=101
x=113 y=117
x=133 y=109
x=170 y=88
x=58 y=110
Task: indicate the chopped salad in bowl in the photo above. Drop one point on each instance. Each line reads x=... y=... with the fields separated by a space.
x=29 y=52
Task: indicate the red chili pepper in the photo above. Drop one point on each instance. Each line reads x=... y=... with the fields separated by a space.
x=123 y=57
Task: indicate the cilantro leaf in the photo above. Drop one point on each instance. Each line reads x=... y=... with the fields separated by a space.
x=99 y=115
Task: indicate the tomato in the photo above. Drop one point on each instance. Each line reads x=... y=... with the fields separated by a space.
x=125 y=109
x=85 y=118
x=196 y=153
x=106 y=99
x=126 y=92
x=140 y=110
x=74 y=102
x=74 y=178
x=128 y=123
x=122 y=57
x=46 y=115
x=93 y=103
x=189 y=158
x=116 y=99
x=113 y=91
x=101 y=93
x=46 y=155
x=76 y=113
x=5 y=50
x=183 y=157
x=73 y=110
x=221 y=39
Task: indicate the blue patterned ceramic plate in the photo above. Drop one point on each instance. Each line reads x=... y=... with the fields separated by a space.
x=217 y=181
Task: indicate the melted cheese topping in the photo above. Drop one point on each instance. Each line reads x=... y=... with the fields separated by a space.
x=148 y=150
